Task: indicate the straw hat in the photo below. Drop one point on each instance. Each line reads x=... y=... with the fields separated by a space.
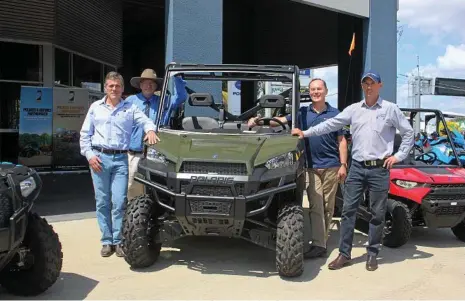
x=147 y=74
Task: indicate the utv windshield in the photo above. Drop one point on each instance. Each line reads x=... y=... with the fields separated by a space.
x=222 y=101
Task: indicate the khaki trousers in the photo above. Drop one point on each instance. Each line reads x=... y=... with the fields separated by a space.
x=321 y=192
x=134 y=188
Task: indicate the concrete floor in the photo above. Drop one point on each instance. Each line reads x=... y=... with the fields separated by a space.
x=431 y=266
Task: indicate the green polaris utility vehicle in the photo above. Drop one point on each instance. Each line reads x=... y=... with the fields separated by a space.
x=212 y=175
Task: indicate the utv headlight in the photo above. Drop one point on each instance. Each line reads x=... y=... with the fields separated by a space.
x=406 y=184
x=155 y=156
x=281 y=161
x=27 y=186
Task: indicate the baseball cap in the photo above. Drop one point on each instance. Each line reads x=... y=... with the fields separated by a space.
x=373 y=75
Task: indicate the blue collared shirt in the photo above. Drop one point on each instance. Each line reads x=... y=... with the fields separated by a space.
x=179 y=96
x=323 y=151
x=373 y=130
x=111 y=128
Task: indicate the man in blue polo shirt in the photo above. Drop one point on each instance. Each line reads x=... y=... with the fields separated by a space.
x=326 y=165
x=147 y=101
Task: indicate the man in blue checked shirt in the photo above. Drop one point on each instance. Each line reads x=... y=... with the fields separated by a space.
x=148 y=102
x=105 y=139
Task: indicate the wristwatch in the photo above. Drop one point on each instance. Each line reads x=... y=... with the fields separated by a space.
x=344 y=164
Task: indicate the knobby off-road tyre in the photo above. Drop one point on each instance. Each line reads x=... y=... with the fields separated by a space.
x=290 y=241
x=139 y=230
x=6 y=211
x=459 y=230
x=398 y=227
x=46 y=264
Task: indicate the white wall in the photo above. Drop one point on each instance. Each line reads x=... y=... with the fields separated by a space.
x=352 y=7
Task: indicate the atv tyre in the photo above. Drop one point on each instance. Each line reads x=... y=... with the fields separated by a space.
x=398 y=226
x=6 y=211
x=290 y=241
x=459 y=230
x=45 y=248
x=139 y=231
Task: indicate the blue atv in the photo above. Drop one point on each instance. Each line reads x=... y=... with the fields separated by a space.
x=437 y=150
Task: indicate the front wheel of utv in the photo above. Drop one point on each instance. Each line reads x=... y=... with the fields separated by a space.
x=139 y=230
x=459 y=230
x=398 y=226
x=43 y=261
x=290 y=241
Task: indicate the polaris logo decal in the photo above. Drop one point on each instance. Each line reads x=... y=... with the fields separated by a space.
x=212 y=179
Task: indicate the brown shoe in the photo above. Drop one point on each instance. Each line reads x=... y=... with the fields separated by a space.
x=372 y=263
x=107 y=251
x=119 y=251
x=338 y=263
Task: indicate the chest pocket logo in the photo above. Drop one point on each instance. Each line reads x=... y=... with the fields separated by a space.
x=124 y=115
x=380 y=122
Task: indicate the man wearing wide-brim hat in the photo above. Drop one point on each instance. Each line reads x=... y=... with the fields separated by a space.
x=147 y=100
x=151 y=76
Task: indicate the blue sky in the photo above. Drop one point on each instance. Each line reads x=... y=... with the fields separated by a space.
x=435 y=32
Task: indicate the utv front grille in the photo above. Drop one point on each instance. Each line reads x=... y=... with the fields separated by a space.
x=442 y=195
x=212 y=190
x=446 y=192
x=450 y=210
x=215 y=168
x=210 y=221
x=212 y=207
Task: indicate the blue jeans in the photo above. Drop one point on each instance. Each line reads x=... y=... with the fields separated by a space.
x=376 y=179
x=111 y=187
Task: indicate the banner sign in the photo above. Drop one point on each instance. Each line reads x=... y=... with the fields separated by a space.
x=305 y=72
x=234 y=97
x=70 y=106
x=35 y=127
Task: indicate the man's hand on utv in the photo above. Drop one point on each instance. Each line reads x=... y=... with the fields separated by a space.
x=297 y=132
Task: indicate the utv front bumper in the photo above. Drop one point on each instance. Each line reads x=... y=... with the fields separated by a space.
x=206 y=204
x=444 y=206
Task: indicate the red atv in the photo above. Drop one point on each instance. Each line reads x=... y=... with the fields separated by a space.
x=424 y=191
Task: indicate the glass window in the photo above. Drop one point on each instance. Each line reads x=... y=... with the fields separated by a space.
x=20 y=61
x=9 y=105
x=87 y=73
x=108 y=69
x=62 y=67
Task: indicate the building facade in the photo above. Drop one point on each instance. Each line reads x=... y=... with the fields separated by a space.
x=74 y=43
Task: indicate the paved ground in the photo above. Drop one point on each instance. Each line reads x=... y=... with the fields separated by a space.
x=432 y=266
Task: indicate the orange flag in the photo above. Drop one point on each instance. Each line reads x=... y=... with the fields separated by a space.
x=352 y=44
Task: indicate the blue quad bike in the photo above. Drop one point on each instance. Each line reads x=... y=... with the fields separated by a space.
x=31 y=257
x=438 y=151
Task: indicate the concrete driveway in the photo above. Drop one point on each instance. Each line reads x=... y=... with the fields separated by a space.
x=431 y=266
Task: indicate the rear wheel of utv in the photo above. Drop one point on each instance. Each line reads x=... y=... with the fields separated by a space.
x=42 y=264
x=398 y=227
x=290 y=241
x=139 y=230
x=459 y=230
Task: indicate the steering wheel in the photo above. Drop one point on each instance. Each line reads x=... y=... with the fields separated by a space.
x=428 y=158
x=418 y=148
x=267 y=120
